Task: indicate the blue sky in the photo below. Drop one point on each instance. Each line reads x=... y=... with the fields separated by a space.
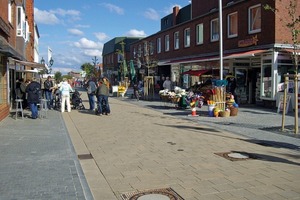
x=76 y=30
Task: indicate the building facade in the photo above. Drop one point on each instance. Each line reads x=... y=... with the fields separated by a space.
x=256 y=45
x=18 y=49
x=113 y=54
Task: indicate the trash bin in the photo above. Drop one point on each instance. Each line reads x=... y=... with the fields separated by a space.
x=211 y=110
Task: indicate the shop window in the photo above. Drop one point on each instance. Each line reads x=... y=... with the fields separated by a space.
x=139 y=50
x=167 y=43
x=176 y=40
x=158 y=45
x=254 y=19
x=232 y=25
x=266 y=81
x=199 y=34
x=214 y=30
x=187 y=37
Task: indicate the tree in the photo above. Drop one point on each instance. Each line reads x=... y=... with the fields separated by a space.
x=58 y=76
x=88 y=68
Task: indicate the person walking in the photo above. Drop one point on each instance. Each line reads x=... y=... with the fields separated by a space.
x=65 y=90
x=167 y=84
x=91 y=89
x=33 y=91
x=102 y=93
x=48 y=87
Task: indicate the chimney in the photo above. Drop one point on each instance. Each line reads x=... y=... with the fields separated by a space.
x=175 y=13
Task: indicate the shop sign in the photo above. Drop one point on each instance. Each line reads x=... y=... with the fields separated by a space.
x=248 y=42
x=287 y=103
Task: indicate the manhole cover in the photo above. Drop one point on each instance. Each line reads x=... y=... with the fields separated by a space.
x=85 y=156
x=156 y=194
x=236 y=156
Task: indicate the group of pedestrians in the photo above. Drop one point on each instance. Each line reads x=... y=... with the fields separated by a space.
x=99 y=90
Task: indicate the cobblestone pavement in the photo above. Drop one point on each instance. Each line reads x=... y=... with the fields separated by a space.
x=38 y=160
x=146 y=145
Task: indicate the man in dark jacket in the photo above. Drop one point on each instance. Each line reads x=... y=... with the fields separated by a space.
x=102 y=93
x=33 y=90
x=48 y=86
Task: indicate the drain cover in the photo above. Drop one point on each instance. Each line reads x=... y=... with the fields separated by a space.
x=236 y=156
x=85 y=156
x=156 y=194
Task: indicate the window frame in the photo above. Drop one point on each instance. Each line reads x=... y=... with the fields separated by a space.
x=212 y=34
x=251 y=21
x=176 y=40
x=167 y=43
x=199 y=40
x=158 y=42
x=187 y=37
x=229 y=34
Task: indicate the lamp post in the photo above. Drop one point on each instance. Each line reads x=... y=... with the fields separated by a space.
x=51 y=61
x=221 y=39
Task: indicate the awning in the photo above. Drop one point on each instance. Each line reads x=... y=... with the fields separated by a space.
x=214 y=58
x=196 y=72
x=30 y=64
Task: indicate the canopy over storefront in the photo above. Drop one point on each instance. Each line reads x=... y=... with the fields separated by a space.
x=196 y=72
x=35 y=65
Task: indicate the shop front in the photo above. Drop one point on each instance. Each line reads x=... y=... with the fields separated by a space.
x=258 y=73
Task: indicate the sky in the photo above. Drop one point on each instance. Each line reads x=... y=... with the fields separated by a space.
x=76 y=30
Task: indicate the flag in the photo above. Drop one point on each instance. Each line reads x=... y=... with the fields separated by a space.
x=132 y=70
x=49 y=54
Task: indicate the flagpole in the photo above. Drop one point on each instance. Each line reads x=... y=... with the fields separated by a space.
x=221 y=39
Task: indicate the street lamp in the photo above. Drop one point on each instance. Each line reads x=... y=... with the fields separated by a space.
x=51 y=61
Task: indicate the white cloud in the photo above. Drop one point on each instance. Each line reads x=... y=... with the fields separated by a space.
x=151 y=14
x=92 y=52
x=136 y=33
x=75 y=32
x=74 y=14
x=113 y=8
x=101 y=36
x=45 y=17
x=84 y=43
x=82 y=26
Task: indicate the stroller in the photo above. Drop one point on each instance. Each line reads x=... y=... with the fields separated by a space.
x=77 y=101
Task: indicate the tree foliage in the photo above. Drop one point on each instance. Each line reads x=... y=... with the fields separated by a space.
x=88 y=68
x=58 y=76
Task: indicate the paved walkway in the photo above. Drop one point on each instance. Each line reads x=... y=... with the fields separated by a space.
x=137 y=148
x=145 y=145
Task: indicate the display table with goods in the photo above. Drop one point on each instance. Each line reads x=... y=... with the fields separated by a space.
x=170 y=98
x=221 y=104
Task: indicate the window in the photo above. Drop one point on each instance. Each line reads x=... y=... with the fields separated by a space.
x=176 y=40
x=21 y=23
x=140 y=50
x=187 y=37
x=158 y=45
x=167 y=43
x=254 y=19
x=146 y=50
x=134 y=52
x=199 y=34
x=151 y=48
x=232 y=25
x=214 y=30
x=9 y=11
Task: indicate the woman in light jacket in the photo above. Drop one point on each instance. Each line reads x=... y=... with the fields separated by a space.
x=65 y=90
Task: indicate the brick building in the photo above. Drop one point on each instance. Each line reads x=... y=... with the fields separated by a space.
x=256 y=45
x=18 y=48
